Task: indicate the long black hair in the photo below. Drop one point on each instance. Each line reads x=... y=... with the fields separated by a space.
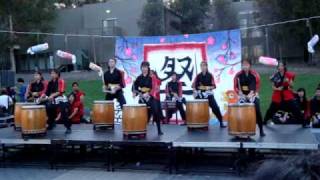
x=145 y=64
x=56 y=71
x=304 y=98
x=284 y=65
x=40 y=74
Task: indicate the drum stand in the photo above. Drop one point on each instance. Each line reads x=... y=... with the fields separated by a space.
x=16 y=128
x=27 y=136
x=205 y=128
x=102 y=127
x=135 y=136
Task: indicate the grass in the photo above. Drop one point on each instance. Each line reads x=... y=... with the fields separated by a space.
x=309 y=82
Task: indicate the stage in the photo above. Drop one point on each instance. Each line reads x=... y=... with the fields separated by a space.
x=176 y=141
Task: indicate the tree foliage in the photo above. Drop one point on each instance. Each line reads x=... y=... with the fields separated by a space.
x=151 y=22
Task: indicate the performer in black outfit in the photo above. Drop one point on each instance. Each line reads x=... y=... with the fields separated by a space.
x=202 y=89
x=174 y=93
x=142 y=87
x=114 y=83
x=36 y=88
x=247 y=84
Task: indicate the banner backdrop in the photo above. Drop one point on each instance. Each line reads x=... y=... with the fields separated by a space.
x=183 y=54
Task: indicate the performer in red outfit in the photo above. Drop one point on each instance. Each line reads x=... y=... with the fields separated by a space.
x=283 y=95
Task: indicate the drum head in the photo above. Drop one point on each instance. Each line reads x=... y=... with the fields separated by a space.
x=33 y=107
x=197 y=100
x=102 y=102
x=240 y=104
x=25 y=103
x=134 y=105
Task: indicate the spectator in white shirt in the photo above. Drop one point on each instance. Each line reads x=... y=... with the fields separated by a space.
x=5 y=101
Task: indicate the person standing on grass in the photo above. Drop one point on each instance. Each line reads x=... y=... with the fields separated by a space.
x=283 y=96
x=315 y=108
x=78 y=99
x=303 y=103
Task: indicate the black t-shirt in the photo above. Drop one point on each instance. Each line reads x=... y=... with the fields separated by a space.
x=53 y=87
x=204 y=80
x=173 y=87
x=37 y=87
x=247 y=82
x=114 y=78
x=141 y=83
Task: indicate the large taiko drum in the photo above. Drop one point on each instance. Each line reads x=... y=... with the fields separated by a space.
x=197 y=113
x=33 y=119
x=17 y=113
x=103 y=113
x=134 y=119
x=242 y=119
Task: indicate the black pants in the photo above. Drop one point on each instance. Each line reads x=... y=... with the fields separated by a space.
x=179 y=105
x=258 y=114
x=52 y=114
x=154 y=108
x=65 y=112
x=214 y=107
x=118 y=95
x=289 y=106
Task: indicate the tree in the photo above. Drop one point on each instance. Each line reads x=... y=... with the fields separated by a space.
x=21 y=15
x=277 y=10
x=192 y=13
x=224 y=16
x=151 y=22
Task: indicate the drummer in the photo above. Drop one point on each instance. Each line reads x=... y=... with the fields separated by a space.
x=55 y=88
x=142 y=87
x=174 y=93
x=114 y=83
x=202 y=89
x=247 y=85
x=36 y=88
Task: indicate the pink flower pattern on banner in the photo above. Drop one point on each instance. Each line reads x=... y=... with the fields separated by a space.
x=128 y=80
x=162 y=40
x=211 y=40
x=224 y=46
x=217 y=80
x=186 y=35
x=233 y=55
x=222 y=59
x=133 y=70
x=216 y=70
x=134 y=57
x=128 y=51
x=231 y=71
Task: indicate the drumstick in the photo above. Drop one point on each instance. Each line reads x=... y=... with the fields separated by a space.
x=239 y=86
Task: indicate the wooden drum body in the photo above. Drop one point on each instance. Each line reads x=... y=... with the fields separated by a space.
x=197 y=113
x=17 y=113
x=33 y=119
x=242 y=119
x=103 y=113
x=134 y=119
